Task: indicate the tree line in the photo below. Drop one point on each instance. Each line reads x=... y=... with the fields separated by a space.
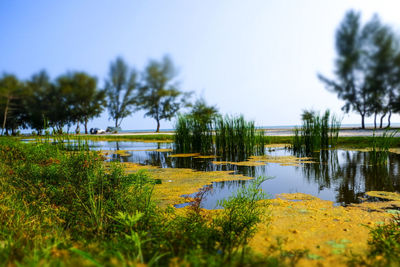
x=367 y=68
x=74 y=98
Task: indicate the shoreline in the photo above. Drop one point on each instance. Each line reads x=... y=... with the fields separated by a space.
x=344 y=132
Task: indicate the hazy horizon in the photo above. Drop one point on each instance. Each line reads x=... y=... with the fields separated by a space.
x=258 y=58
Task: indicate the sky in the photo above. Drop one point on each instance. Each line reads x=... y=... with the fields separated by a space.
x=259 y=58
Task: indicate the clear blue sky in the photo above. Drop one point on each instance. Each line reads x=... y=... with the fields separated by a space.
x=258 y=58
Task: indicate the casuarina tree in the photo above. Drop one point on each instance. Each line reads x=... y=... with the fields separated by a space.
x=365 y=79
x=159 y=94
x=120 y=90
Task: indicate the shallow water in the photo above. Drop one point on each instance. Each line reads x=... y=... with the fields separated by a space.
x=340 y=176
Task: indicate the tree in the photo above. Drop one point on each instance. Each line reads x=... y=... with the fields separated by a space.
x=119 y=89
x=380 y=51
x=203 y=112
x=10 y=88
x=350 y=84
x=394 y=93
x=83 y=99
x=37 y=104
x=159 y=95
x=364 y=67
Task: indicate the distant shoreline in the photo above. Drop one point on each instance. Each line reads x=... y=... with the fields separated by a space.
x=344 y=131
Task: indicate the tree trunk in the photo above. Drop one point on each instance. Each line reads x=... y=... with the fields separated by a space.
x=77 y=130
x=375 y=120
x=362 y=121
x=381 y=124
x=390 y=115
x=5 y=115
x=116 y=122
x=158 y=126
x=86 y=122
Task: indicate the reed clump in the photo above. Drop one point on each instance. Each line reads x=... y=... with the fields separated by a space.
x=317 y=132
x=229 y=135
x=236 y=136
x=192 y=135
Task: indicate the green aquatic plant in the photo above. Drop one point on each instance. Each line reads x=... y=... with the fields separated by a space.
x=230 y=136
x=234 y=136
x=380 y=147
x=317 y=132
x=193 y=135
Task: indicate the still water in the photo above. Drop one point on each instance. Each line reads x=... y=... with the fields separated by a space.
x=341 y=176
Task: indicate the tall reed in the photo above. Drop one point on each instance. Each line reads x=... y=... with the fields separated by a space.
x=229 y=135
x=236 y=136
x=193 y=135
x=317 y=132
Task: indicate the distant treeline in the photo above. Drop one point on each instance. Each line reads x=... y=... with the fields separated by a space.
x=367 y=68
x=74 y=98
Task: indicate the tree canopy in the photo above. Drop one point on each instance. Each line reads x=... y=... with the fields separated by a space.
x=159 y=94
x=120 y=91
x=83 y=100
x=365 y=67
x=10 y=91
x=203 y=112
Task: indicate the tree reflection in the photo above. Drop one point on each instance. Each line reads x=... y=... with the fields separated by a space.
x=351 y=175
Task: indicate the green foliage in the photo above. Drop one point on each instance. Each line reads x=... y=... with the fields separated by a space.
x=383 y=246
x=84 y=101
x=242 y=212
x=222 y=239
x=317 y=132
x=385 y=240
x=11 y=91
x=159 y=95
x=366 y=66
x=38 y=102
x=120 y=88
x=203 y=112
